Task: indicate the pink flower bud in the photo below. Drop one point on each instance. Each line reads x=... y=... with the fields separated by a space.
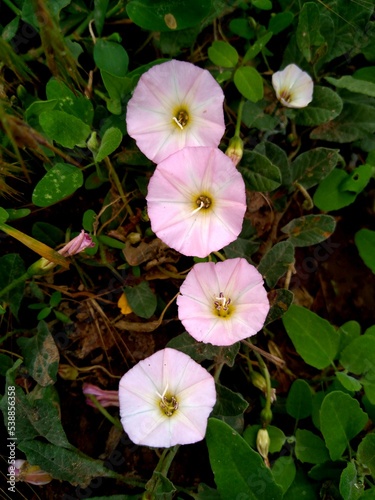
x=77 y=245
x=105 y=398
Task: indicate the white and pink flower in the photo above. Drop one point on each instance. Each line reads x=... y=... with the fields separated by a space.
x=175 y=104
x=223 y=303
x=294 y=88
x=166 y=399
x=196 y=201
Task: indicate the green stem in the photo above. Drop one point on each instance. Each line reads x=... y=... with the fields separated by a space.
x=266 y=375
x=104 y=412
x=12 y=7
x=219 y=256
x=168 y=459
x=239 y=118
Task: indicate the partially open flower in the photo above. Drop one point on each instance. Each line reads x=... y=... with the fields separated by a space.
x=77 y=244
x=294 y=87
x=32 y=474
x=166 y=400
x=196 y=201
x=223 y=303
x=175 y=104
x=105 y=398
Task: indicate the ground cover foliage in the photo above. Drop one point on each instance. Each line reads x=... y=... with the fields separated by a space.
x=295 y=403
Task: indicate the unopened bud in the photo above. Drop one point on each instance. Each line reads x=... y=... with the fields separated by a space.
x=93 y=143
x=258 y=381
x=266 y=416
x=68 y=372
x=134 y=238
x=263 y=444
x=235 y=150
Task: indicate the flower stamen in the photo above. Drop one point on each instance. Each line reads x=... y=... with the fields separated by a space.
x=203 y=202
x=181 y=120
x=168 y=404
x=222 y=303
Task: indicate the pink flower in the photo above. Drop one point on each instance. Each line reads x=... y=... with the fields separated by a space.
x=32 y=474
x=223 y=303
x=105 y=398
x=166 y=400
x=175 y=104
x=196 y=201
x=77 y=245
x=294 y=87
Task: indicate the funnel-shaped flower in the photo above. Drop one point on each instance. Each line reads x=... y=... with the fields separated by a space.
x=196 y=201
x=32 y=474
x=77 y=244
x=223 y=303
x=294 y=88
x=166 y=400
x=175 y=104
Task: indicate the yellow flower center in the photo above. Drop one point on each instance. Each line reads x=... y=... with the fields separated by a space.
x=181 y=118
x=286 y=95
x=203 y=202
x=223 y=305
x=168 y=403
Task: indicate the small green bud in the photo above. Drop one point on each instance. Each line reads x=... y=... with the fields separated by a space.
x=235 y=150
x=266 y=416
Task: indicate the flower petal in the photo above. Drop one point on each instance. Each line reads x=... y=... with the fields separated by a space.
x=161 y=92
x=238 y=281
x=174 y=189
x=141 y=388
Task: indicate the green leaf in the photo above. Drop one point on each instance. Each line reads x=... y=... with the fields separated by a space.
x=58 y=183
x=141 y=299
x=6 y=364
x=254 y=116
x=356 y=121
x=359 y=356
x=72 y=103
x=309 y=168
x=315 y=340
x=62 y=463
x=65 y=129
x=341 y=419
x=308 y=30
x=277 y=157
x=324 y=107
x=200 y=351
x=262 y=4
x=37 y=413
x=329 y=195
x=309 y=230
x=241 y=247
x=348 y=332
x=15 y=214
x=4 y=215
x=358 y=179
x=47 y=233
x=100 y=11
x=11 y=268
x=350 y=487
x=276 y=261
x=223 y=54
x=239 y=471
x=365 y=243
x=348 y=382
x=302 y=487
x=365 y=453
x=41 y=355
x=259 y=173
x=166 y=15
x=88 y=220
x=111 y=57
x=241 y=27
x=310 y=448
x=258 y=46
x=160 y=487
x=279 y=22
x=299 y=400
x=353 y=85
x=280 y=300
x=228 y=403
x=284 y=472
x=110 y=142
x=249 y=83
